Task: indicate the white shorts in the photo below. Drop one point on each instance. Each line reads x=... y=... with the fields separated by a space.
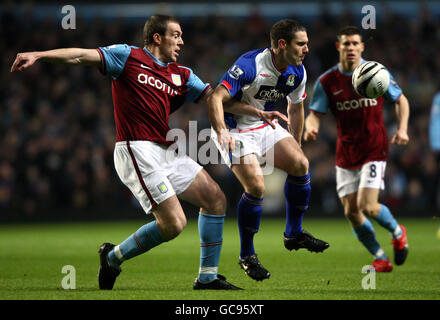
x=370 y=175
x=152 y=173
x=257 y=141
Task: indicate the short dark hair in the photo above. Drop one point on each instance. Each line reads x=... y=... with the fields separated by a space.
x=284 y=29
x=156 y=24
x=349 y=31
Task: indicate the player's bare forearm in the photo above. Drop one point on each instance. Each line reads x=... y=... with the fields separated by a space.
x=75 y=56
x=240 y=108
x=312 y=124
x=402 y=112
x=295 y=113
x=71 y=56
x=214 y=100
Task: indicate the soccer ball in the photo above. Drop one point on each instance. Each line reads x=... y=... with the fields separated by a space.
x=370 y=79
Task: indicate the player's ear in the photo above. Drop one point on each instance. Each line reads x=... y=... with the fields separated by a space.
x=157 y=39
x=362 y=46
x=282 y=43
x=337 y=45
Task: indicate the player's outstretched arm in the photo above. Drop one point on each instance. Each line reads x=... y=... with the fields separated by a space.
x=73 y=56
x=312 y=123
x=402 y=112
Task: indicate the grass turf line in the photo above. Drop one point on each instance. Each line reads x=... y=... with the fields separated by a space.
x=32 y=257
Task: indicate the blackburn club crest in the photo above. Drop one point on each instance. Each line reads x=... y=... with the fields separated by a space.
x=291 y=80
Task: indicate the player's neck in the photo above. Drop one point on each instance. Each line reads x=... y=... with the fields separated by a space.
x=278 y=60
x=347 y=66
x=155 y=51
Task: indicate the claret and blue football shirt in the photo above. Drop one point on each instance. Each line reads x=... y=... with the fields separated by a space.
x=146 y=91
x=362 y=136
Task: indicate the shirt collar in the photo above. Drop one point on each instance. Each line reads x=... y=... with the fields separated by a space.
x=348 y=73
x=163 y=64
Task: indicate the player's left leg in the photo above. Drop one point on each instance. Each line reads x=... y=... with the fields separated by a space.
x=205 y=193
x=249 y=213
x=369 y=205
x=289 y=157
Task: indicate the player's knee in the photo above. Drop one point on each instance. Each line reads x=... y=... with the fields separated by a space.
x=215 y=202
x=368 y=209
x=300 y=167
x=172 y=228
x=304 y=166
x=256 y=189
x=178 y=226
x=352 y=215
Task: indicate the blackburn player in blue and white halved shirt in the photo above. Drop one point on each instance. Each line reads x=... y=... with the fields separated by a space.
x=261 y=78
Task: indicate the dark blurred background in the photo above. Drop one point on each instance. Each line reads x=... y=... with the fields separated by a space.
x=56 y=122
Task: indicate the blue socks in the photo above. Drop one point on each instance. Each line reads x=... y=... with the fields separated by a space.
x=211 y=240
x=145 y=238
x=249 y=212
x=386 y=220
x=297 y=191
x=366 y=235
x=148 y=237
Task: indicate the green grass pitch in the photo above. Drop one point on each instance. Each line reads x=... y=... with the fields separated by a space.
x=32 y=257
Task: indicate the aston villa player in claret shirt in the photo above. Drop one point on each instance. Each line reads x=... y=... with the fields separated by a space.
x=361 y=147
x=147 y=86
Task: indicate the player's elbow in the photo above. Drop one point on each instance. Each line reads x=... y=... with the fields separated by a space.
x=217 y=97
x=212 y=98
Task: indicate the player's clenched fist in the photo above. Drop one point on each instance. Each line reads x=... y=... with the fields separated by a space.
x=310 y=135
x=400 y=138
x=24 y=60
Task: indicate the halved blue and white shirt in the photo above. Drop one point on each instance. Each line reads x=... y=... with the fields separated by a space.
x=254 y=79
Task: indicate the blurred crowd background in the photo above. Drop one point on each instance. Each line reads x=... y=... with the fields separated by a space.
x=57 y=129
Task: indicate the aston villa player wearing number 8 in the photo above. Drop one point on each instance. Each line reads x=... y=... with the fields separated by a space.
x=147 y=86
x=362 y=147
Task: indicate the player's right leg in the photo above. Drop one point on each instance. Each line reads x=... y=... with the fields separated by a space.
x=249 y=212
x=170 y=221
x=139 y=166
x=289 y=157
x=364 y=232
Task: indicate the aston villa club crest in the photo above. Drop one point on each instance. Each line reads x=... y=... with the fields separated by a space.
x=162 y=187
x=176 y=79
x=291 y=80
